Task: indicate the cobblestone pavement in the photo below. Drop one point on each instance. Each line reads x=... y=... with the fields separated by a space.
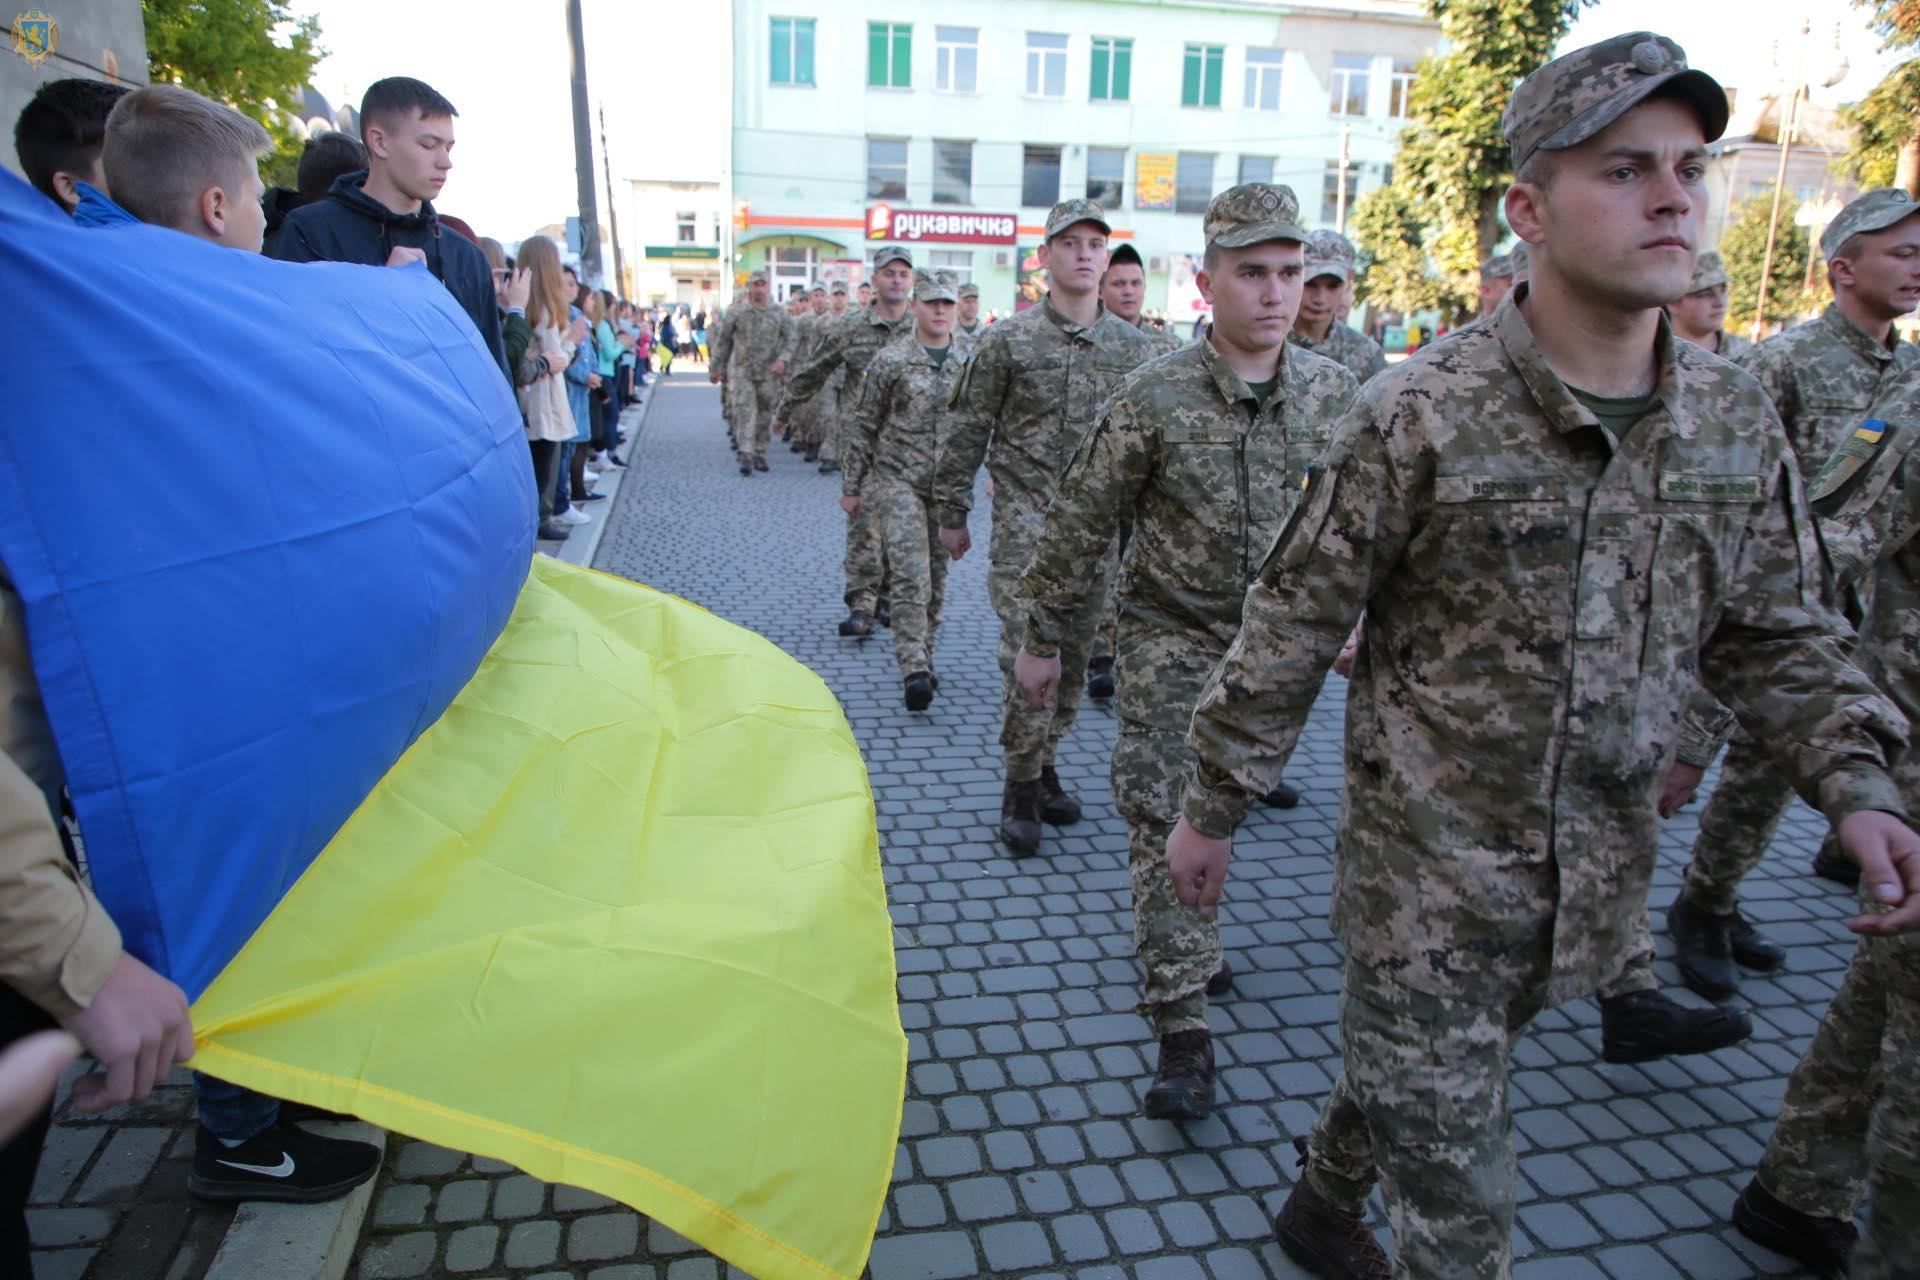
x=1023 y=1154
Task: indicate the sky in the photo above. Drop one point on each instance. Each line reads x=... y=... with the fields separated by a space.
x=664 y=84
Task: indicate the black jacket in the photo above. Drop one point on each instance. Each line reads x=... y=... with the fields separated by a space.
x=351 y=226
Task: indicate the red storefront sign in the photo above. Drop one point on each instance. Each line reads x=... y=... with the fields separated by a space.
x=942 y=226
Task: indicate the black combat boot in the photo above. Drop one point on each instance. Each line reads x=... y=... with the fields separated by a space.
x=1182 y=1088
x=1058 y=806
x=1831 y=864
x=812 y=454
x=919 y=691
x=1020 y=818
x=746 y=467
x=1222 y=980
x=1821 y=1245
x=1283 y=796
x=883 y=613
x=1753 y=949
x=1100 y=677
x=1643 y=1025
x=1325 y=1238
x=858 y=623
x=759 y=464
x=828 y=467
x=1703 y=948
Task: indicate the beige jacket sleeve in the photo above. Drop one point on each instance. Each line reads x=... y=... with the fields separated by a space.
x=57 y=945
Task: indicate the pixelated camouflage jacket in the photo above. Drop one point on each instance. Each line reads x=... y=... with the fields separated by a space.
x=895 y=431
x=1360 y=355
x=1541 y=599
x=1032 y=387
x=849 y=342
x=1208 y=477
x=750 y=340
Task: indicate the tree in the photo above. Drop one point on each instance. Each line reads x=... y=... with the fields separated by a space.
x=1886 y=123
x=1429 y=233
x=1743 y=248
x=227 y=50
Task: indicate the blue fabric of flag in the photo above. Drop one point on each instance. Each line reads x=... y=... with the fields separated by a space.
x=265 y=520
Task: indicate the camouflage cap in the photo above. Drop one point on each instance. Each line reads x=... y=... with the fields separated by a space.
x=819 y=288
x=1874 y=211
x=839 y=289
x=1517 y=259
x=969 y=290
x=890 y=253
x=1498 y=267
x=757 y=277
x=1329 y=254
x=935 y=286
x=1708 y=271
x=1068 y=212
x=1578 y=94
x=1253 y=213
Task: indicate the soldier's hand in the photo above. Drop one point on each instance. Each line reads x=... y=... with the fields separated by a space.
x=1343 y=665
x=1038 y=678
x=1889 y=856
x=850 y=505
x=956 y=542
x=716 y=377
x=1198 y=865
x=778 y=368
x=1677 y=793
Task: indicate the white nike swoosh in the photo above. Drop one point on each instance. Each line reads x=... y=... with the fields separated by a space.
x=282 y=1170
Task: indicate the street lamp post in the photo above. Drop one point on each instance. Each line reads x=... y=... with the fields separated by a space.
x=1789 y=118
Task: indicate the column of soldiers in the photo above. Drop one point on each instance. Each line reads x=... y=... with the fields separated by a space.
x=1584 y=550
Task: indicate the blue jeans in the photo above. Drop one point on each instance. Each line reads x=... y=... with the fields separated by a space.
x=231 y=1113
x=562 y=486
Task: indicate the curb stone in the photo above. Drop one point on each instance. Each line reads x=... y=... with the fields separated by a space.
x=299 y=1241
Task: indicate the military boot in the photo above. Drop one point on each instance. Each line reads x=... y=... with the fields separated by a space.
x=1283 y=796
x=1100 y=677
x=1821 y=1245
x=919 y=691
x=883 y=613
x=1753 y=949
x=746 y=466
x=1182 y=1088
x=858 y=623
x=1643 y=1025
x=1058 y=806
x=1831 y=864
x=1222 y=980
x=1325 y=1238
x=812 y=454
x=1703 y=948
x=1020 y=818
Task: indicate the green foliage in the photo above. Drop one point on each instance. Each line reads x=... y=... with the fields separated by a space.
x=1888 y=118
x=1744 y=248
x=1441 y=218
x=232 y=51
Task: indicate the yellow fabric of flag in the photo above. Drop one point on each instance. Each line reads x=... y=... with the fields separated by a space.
x=616 y=918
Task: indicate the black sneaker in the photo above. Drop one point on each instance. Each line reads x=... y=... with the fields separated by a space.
x=284 y=1163
x=306 y=1113
x=1821 y=1245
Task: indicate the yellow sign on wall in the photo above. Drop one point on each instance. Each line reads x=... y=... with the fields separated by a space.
x=1153 y=179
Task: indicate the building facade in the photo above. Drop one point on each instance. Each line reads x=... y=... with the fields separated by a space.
x=672 y=230
x=954 y=130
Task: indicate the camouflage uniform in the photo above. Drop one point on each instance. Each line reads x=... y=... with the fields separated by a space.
x=1821 y=376
x=751 y=340
x=1033 y=386
x=803 y=427
x=1851 y=1114
x=892 y=439
x=1537 y=592
x=1208 y=477
x=1710 y=271
x=967 y=337
x=1331 y=254
x=847 y=347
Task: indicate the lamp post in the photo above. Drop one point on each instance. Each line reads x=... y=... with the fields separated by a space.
x=1836 y=71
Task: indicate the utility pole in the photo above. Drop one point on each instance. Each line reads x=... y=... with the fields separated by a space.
x=590 y=270
x=1789 y=120
x=613 y=209
x=1340 y=204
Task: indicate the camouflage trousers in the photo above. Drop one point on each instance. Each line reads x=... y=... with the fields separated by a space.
x=916 y=563
x=1179 y=947
x=1850 y=1122
x=1030 y=736
x=750 y=404
x=1421 y=1107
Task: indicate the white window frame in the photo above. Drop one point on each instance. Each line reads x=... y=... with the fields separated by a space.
x=1340 y=86
x=948 y=45
x=958 y=261
x=783 y=267
x=1400 y=90
x=966 y=196
x=1044 y=60
x=1265 y=69
x=686 y=227
x=906 y=160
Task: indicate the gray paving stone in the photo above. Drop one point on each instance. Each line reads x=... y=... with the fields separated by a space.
x=402 y=1204
x=533 y=1244
x=123 y=1165
x=54 y=1228
x=936 y=1255
x=472 y=1248
x=979 y=1199
x=397 y=1257
x=518 y=1197
x=463 y=1201
x=1015 y=1246
x=602 y=1236
x=576 y=1199
x=425 y=1160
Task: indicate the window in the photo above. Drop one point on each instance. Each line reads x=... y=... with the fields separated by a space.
x=1256 y=168
x=1200 y=81
x=1330 y=201
x=889 y=55
x=886 y=168
x=958 y=261
x=956 y=59
x=1112 y=70
x=1107 y=176
x=792 y=270
x=1400 y=90
x=952 y=172
x=1263 y=79
x=1350 y=84
x=1046 y=65
x=1193 y=181
x=792 y=44
x=1040 y=177
x=685 y=227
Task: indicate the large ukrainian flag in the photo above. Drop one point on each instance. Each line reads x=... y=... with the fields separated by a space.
x=532 y=862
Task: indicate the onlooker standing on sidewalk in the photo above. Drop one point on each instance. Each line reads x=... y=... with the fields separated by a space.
x=665 y=344
x=540 y=376
x=384 y=216
x=323 y=159
x=59 y=134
